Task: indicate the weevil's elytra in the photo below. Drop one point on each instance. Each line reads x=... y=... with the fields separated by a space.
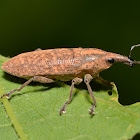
x=45 y=62
x=65 y=64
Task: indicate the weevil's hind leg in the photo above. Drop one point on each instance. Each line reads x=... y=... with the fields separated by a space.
x=25 y=84
x=87 y=80
x=75 y=81
x=35 y=78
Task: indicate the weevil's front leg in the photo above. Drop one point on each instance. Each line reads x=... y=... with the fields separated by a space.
x=75 y=81
x=35 y=78
x=102 y=81
x=87 y=80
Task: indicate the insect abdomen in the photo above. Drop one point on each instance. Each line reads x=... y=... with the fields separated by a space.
x=45 y=62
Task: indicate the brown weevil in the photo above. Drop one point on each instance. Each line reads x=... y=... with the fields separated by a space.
x=64 y=64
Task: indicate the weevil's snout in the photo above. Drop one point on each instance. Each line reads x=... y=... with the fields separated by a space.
x=122 y=59
x=127 y=60
x=113 y=58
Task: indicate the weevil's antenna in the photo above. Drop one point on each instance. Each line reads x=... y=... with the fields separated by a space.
x=134 y=46
x=133 y=62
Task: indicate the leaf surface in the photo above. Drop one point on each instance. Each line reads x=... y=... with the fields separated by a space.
x=35 y=113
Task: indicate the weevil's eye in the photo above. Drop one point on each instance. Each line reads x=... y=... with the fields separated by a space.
x=110 y=60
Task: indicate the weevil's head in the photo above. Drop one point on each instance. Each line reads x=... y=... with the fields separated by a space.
x=110 y=58
x=99 y=60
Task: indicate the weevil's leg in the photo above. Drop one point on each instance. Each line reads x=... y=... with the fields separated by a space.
x=43 y=79
x=102 y=81
x=87 y=80
x=35 y=78
x=25 y=84
x=38 y=49
x=75 y=81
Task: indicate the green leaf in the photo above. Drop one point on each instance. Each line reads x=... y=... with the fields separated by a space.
x=35 y=113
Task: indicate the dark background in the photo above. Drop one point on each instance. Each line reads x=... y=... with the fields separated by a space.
x=109 y=25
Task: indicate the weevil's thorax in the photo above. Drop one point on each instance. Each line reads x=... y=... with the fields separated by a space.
x=95 y=60
x=106 y=59
x=92 y=60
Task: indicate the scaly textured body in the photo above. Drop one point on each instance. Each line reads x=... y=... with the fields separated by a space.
x=47 y=66
x=58 y=64
x=45 y=62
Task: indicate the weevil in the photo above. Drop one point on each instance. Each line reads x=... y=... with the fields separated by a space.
x=64 y=64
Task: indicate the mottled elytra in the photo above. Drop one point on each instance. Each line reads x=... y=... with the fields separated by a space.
x=65 y=64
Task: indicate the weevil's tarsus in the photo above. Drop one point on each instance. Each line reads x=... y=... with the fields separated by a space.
x=91 y=110
x=9 y=93
x=35 y=78
x=87 y=80
x=75 y=81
